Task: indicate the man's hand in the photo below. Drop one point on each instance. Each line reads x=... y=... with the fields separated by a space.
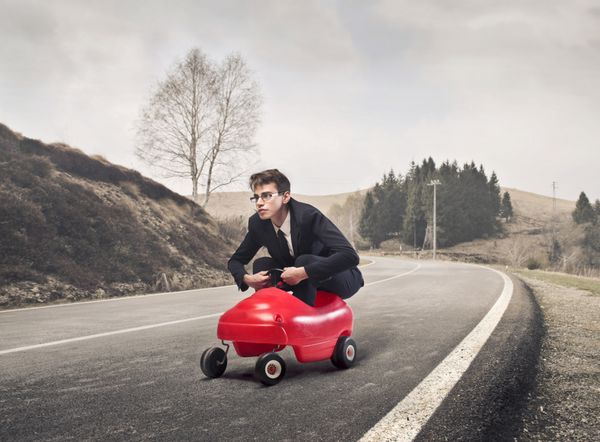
x=293 y=275
x=259 y=280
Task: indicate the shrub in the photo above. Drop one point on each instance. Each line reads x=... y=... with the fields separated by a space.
x=233 y=228
x=533 y=263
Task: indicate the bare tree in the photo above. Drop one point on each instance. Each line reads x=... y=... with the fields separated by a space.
x=237 y=103
x=200 y=122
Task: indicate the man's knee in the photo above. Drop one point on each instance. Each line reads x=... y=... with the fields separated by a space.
x=303 y=260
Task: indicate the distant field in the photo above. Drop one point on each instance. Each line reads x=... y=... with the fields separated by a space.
x=590 y=284
x=529 y=206
x=526 y=236
x=539 y=207
x=226 y=204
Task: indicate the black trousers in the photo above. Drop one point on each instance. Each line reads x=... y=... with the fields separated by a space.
x=344 y=284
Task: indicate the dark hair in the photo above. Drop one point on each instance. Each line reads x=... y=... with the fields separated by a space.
x=270 y=176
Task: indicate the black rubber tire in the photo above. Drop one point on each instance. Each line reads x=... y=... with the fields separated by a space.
x=270 y=368
x=213 y=362
x=344 y=353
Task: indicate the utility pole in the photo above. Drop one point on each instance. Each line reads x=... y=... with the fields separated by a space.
x=554 y=186
x=414 y=217
x=434 y=183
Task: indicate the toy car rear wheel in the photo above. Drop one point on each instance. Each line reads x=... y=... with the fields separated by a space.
x=344 y=353
x=213 y=362
x=270 y=368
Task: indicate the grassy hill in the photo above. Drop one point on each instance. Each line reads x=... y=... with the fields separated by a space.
x=536 y=220
x=74 y=226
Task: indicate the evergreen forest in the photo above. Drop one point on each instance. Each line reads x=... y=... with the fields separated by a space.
x=468 y=205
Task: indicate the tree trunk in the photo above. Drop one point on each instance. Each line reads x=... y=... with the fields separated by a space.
x=195 y=189
x=208 y=184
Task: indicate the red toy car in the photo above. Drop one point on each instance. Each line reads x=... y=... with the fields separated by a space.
x=271 y=319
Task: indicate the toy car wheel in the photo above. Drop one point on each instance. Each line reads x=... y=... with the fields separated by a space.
x=270 y=368
x=213 y=362
x=344 y=353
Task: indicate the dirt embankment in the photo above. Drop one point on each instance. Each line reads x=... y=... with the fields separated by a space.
x=565 y=403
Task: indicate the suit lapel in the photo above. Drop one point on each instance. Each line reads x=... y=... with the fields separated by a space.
x=295 y=226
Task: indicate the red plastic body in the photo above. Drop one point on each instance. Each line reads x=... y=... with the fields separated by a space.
x=272 y=319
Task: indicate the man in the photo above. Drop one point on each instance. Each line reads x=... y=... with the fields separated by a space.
x=310 y=249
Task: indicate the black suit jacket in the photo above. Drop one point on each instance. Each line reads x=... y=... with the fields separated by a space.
x=312 y=234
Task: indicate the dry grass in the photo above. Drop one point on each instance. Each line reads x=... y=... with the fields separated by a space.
x=564 y=404
x=579 y=282
x=75 y=227
x=528 y=235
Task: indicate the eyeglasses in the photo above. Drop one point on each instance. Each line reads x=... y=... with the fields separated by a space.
x=265 y=196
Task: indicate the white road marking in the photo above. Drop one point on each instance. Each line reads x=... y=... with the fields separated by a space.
x=405 y=420
x=101 y=335
x=145 y=327
x=394 y=277
x=367 y=265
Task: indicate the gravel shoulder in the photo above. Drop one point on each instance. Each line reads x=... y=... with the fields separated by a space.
x=565 y=402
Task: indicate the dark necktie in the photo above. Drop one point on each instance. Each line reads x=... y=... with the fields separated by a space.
x=285 y=249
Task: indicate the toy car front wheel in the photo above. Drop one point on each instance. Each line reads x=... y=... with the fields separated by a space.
x=213 y=362
x=344 y=353
x=270 y=368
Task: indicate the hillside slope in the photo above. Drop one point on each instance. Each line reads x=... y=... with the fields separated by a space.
x=224 y=205
x=537 y=220
x=74 y=226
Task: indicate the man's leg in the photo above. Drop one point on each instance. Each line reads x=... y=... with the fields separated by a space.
x=262 y=264
x=344 y=284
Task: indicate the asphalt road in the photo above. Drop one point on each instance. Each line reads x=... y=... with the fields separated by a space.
x=146 y=384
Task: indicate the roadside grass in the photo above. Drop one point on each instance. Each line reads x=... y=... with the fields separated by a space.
x=579 y=282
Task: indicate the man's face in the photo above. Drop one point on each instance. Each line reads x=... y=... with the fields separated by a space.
x=276 y=205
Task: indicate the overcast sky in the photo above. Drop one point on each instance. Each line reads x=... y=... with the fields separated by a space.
x=350 y=88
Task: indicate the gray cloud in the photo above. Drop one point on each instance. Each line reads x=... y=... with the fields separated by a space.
x=351 y=88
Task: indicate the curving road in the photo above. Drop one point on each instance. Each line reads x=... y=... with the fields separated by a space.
x=127 y=369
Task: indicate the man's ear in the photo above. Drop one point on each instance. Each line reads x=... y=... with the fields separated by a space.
x=286 y=197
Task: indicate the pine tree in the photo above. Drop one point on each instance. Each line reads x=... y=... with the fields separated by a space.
x=597 y=209
x=591 y=245
x=583 y=213
x=449 y=218
x=366 y=227
x=494 y=193
x=555 y=254
x=506 y=209
x=468 y=204
x=415 y=222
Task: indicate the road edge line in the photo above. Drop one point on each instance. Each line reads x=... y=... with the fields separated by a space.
x=405 y=421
